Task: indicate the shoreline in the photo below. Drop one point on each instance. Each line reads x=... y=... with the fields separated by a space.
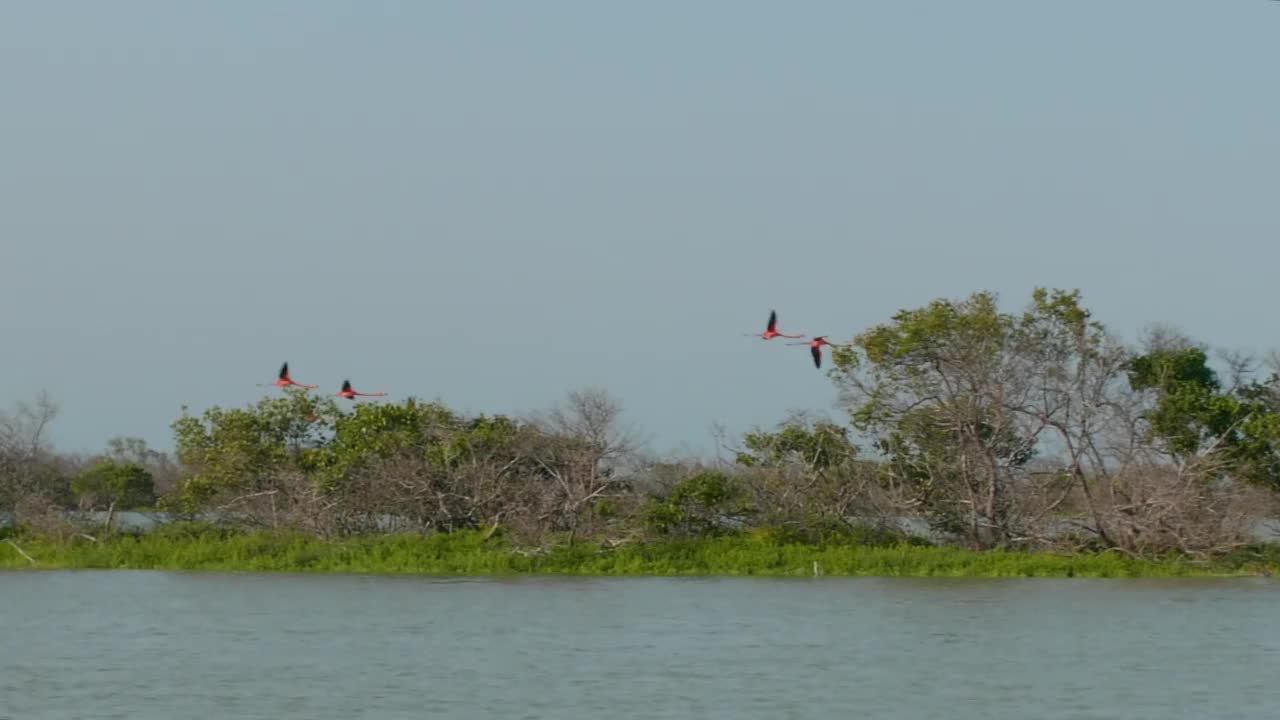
x=468 y=553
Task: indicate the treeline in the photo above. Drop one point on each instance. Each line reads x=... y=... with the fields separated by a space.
x=1034 y=429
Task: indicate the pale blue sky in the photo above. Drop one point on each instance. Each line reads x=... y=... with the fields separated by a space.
x=492 y=203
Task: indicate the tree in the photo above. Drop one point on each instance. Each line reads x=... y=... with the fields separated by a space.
x=698 y=506
x=1193 y=415
x=963 y=401
x=423 y=463
x=815 y=445
x=925 y=389
x=251 y=459
x=28 y=467
x=115 y=485
x=1009 y=428
x=587 y=452
x=164 y=472
x=808 y=473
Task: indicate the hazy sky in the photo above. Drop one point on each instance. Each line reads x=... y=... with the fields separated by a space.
x=492 y=203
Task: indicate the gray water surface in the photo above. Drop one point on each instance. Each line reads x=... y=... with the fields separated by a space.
x=160 y=645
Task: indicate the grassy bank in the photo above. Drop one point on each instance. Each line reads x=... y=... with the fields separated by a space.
x=468 y=553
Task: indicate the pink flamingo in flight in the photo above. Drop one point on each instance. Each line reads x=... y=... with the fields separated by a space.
x=771 y=330
x=350 y=394
x=284 y=380
x=815 y=348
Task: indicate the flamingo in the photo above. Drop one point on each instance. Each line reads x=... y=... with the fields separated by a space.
x=771 y=331
x=283 y=380
x=350 y=394
x=815 y=348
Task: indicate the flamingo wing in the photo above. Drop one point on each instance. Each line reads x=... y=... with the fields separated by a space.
x=346 y=386
x=817 y=355
x=773 y=321
x=284 y=372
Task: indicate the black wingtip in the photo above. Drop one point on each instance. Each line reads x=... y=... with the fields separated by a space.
x=284 y=371
x=817 y=356
x=773 y=319
x=346 y=386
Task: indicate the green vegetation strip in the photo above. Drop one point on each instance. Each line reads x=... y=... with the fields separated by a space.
x=469 y=553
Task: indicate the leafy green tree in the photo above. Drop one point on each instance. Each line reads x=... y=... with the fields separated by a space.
x=808 y=474
x=426 y=464
x=1194 y=415
x=925 y=388
x=374 y=433
x=698 y=506
x=114 y=485
x=238 y=452
x=961 y=399
x=816 y=446
x=164 y=471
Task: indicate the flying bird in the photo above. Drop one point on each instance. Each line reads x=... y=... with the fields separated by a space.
x=283 y=379
x=350 y=394
x=815 y=348
x=771 y=331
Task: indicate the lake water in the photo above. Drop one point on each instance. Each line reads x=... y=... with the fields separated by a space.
x=162 y=646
